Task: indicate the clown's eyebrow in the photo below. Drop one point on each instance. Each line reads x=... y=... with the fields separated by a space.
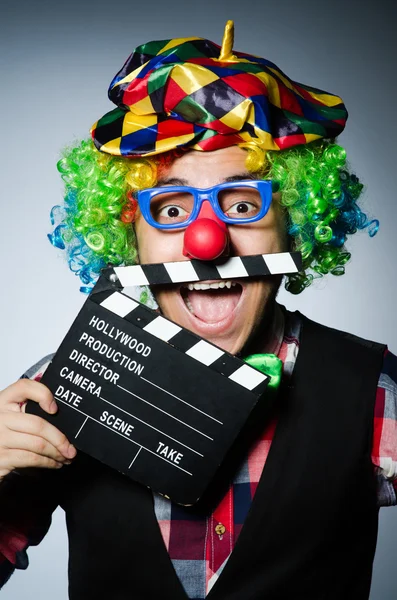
x=178 y=181
x=171 y=181
x=240 y=177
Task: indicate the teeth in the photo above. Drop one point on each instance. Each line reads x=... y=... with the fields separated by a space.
x=213 y=286
x=189 y=305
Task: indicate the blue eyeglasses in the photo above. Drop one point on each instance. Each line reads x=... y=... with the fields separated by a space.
x=174 y=207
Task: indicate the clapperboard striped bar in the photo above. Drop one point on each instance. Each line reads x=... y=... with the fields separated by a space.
x=183 y=340
x=257 y=265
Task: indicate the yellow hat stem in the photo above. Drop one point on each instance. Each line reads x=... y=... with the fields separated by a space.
x=226 y=53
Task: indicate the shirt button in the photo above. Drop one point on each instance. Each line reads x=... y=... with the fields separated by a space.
x=220 y=529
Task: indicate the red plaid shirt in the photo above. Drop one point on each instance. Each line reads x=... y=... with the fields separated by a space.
x=199 y=546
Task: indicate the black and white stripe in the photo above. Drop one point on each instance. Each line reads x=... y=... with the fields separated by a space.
x=182 y=339
x=234 y=267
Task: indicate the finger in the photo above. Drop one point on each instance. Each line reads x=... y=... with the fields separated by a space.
x=32 y=443
x=25 y=423
x=20 y=459
x=25 y=389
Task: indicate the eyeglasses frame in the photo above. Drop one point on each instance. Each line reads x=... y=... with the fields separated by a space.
x=264 y=187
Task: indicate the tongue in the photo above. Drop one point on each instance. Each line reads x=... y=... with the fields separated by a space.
x=212 y=306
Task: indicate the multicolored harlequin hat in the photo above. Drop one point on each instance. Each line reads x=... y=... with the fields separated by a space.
x=189 y=92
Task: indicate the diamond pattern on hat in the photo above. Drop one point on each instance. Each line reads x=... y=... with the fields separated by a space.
x=173 y=128
x=218 y=98
x=244 y=98
x=110 y=126
x=284 y=125
x=192 y=112
x=197 y=79
x=143 y=140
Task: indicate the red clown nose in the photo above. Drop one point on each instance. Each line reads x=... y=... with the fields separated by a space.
x=206 y=238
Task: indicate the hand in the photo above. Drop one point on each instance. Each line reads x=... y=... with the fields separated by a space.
x=27 y=440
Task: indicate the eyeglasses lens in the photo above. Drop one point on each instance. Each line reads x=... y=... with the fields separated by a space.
x=240 y=202
x=171 y=207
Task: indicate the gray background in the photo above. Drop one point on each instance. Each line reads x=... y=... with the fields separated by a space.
x=57 y=60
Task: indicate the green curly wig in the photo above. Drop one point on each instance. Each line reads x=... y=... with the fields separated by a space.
x=318 y=190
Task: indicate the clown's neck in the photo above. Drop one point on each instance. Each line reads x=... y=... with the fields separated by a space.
x=269 y=335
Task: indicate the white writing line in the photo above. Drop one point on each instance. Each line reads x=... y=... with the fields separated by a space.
x=124 y=436
x=135 y=457
x=81 y=428
x=180 y=399
x=148 y=424
x=165 y=412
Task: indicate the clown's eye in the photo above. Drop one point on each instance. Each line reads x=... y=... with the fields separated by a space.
x=240 y=202
x=169 y=208
x=242 y=210
x=173 y=212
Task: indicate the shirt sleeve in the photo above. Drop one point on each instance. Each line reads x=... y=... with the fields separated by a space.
x=28 y=498
x=384 y=448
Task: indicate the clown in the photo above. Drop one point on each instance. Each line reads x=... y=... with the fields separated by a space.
x=235 y=113
x=213 y=154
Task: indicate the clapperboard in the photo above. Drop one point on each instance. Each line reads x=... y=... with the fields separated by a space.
x=146 y=396
x=258 y=265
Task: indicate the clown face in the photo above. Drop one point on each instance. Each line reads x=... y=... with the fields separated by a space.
x=227 y=314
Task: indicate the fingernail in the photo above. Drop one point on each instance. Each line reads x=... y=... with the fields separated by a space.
x=67 y=462
x=71 y=451
x=53 y=407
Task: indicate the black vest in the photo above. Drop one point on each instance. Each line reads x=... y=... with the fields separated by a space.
x=311 y=531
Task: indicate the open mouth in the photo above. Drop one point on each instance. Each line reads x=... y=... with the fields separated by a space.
x=212 y=301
